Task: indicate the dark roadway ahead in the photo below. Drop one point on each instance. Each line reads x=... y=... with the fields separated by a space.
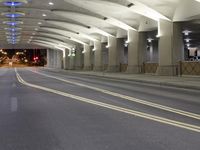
x=45 y=110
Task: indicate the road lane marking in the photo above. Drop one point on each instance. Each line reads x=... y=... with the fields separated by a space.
x=129 y=98
x=14 y=104
x=113 y=107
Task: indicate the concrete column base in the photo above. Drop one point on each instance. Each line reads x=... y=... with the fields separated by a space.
x=98 y=68
x=78 y=68
x=87 y=68
x=71 y=68
x=167 y=71
x=113 y=69
x=134 y=69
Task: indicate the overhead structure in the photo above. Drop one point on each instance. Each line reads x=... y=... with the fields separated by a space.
x=84 y=21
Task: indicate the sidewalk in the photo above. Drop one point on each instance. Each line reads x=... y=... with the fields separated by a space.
x=188 y=82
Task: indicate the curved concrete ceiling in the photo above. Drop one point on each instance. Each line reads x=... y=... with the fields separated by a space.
x=68 y=45
x=76 y=22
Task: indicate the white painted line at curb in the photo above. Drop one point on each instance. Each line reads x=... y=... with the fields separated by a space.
x=129 y=98
x=116 y=108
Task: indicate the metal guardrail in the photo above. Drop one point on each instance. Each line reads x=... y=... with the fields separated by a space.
x=190 y=68
x=150 y=68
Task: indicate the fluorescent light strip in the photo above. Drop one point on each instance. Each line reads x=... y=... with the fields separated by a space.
x=87 y=37
x=119 y=24
x=102 y=32
x=78 y=41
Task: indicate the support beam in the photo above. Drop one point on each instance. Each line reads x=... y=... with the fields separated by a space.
x=49 y=58
x=113 y=58
x=98 y=64
x=78 y=60
x=170 y=48
x=136 y=51
x=59 y=59
x=54 y=59
x=87 y=58
x=71 y=62
x=66 y=60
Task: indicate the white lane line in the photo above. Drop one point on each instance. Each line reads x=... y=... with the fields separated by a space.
x=116 y=108
x=14 y=104
x=129 y=98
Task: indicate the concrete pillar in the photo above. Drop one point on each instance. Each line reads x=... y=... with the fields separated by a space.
x=66 y=60
x=48 y=58
x=113 y=58
x=78 y=63
x=170 y=48
x=151 y=52
x=54 y=58
x=87 y=58
x=98 y=64
x=71 y=62
x=59 y=59
x=121 y=47
x=136 y=51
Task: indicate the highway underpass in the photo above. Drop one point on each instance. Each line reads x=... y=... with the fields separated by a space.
x=115 y=74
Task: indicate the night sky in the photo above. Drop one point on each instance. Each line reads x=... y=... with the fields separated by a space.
x=30 y=54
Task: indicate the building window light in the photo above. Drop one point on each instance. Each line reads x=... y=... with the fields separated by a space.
x=73 y=52
x=186 y=32
x=188 y=45
x=149 y=40
x=187 y=40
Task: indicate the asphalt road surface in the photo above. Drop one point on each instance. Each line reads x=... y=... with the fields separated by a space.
x=45 y=110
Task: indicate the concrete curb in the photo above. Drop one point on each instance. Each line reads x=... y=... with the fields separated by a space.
x=169 y=84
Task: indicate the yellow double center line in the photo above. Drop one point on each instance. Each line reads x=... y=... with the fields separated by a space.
x=129 y=98
x=113 y=107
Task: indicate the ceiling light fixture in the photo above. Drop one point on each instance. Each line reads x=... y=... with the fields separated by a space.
x=13 y=29
x=12 y=23
x=12 y=4
x=13 y=14
x=51 y=3
x=187 y=40
x=187 y=32
x=107 y=46
x=149 y=40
